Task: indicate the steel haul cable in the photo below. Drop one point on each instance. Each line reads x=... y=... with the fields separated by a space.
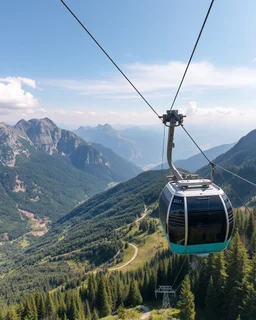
x=108 y=56
x=192 y=54
x=213 y=164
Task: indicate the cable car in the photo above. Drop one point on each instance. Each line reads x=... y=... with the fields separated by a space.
x=196 y=215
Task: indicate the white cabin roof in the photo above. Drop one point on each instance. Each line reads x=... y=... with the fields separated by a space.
x=199 y=187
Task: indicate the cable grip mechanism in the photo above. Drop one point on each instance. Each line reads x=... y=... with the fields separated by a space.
x=172 y=118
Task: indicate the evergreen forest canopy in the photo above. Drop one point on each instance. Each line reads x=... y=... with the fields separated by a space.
x=223 y=286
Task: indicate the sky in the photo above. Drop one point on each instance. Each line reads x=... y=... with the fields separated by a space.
x=49 y=67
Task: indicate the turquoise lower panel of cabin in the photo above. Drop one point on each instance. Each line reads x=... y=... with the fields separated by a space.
x=199 y=248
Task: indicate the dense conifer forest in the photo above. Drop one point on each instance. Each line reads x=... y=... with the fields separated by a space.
x=222 y=286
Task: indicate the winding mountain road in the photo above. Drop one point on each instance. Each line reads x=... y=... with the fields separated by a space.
x=134 y=256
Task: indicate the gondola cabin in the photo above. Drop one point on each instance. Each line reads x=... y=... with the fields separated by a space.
x=196 y=216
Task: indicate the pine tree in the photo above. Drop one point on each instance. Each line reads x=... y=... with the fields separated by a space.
x=40 y=305
x=29 y=308
x=250 y=226
x=121 y=312
x=134 y=297
x=102 y=299
x=214 y=299
x=62 y=309
x=211 y=312
x=88 y=311
x=50 y=310
x=12 y=315
x=249 y=307
x=237 y=280
x=186 y=301
x=202 y=284
x=74 y=306
x=95 y=315
x=119 y=293
x=91 y=291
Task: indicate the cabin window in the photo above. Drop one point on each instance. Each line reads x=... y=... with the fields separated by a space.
x=206 y=220
x=177 y=221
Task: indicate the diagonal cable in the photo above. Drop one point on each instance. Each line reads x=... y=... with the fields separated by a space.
x=213 y=165
x=108 y=56
x=179 y=272
x=234 y=174
x=192 y=54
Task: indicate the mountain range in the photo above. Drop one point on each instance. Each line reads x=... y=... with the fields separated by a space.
x=196 y=162
x=45 y=171
x=240 y=159
x=134 y=144
x=91 y=234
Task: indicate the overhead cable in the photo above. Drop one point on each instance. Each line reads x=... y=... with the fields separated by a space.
x=234 y=174
x=179 y=272
x=113 y=62
x=214 y=166
x=192 y=54
x=198 y=268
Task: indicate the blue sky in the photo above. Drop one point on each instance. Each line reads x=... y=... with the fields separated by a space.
x=50 y=67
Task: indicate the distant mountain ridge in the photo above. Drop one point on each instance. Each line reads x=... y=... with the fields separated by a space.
x=194 y=163
x=45 y=170
x=110 y=138
x=240 y=159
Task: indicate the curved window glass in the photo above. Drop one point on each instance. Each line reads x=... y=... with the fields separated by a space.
x=164 y=201
x=230 y=215
x=206 y=220
x=176 y=222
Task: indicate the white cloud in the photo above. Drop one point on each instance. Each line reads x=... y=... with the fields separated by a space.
x=78 y=112
x=193 y=111
x=92 y=113
x=42 y=110
x=157 y=78
x=219 y=117
x=13 y=96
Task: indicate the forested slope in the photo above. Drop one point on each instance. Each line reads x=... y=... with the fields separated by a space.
x=88 y=235
x=222 y=286
x=45 y=171
x=241 y=159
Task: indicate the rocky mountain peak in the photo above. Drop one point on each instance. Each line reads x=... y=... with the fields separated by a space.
x=42 y=134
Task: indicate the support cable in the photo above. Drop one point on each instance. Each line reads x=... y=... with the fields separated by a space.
x=179 y=272
x=108 y=56
x=234 y=174
x=216 y=170
x=192 y=54
x=191 y=270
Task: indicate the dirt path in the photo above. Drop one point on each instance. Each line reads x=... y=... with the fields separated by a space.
x=144 y=214
x=134 y=256
x=146 y=313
